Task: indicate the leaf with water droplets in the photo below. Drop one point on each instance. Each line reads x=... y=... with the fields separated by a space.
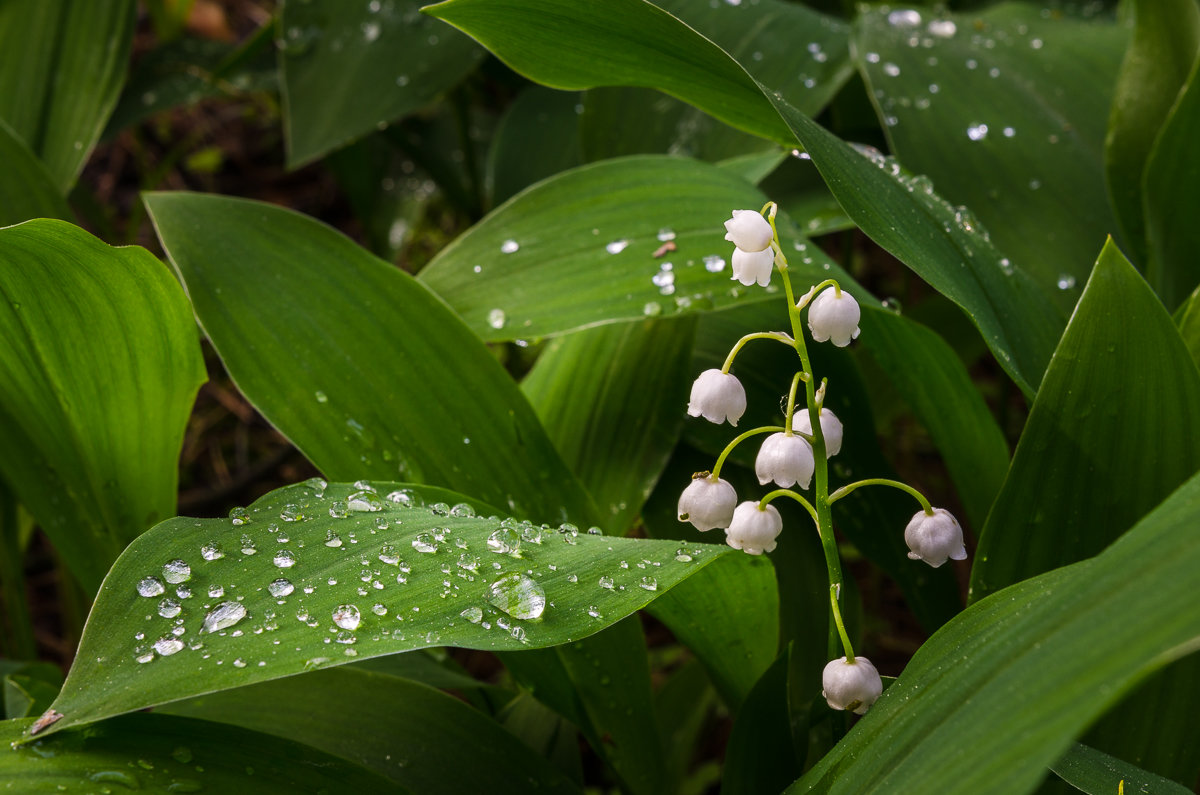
x=348 y=602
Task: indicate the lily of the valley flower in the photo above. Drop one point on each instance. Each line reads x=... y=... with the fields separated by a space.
x=753 y=266
x=935 y=538
x=718 y=397
x=851 y=685
x=786 y=459
x=834 y=317
x=753 y=529
x=707 y=502
x=831 y=429
x=749 y=231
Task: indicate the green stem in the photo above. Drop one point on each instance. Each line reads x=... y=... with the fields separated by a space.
x=844 y=490
x=716 y=470
x=758 y=335
x=791 y=406
x=788 y=493
x=841 y=627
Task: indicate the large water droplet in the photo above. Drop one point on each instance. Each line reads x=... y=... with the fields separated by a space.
x=405 y=498
x=364 y=502
x=169 y=608
x=347 y=616
x=223 y=616
x=472 y=614
x=463 y=511
x=150 y=586
x=212 y=551
x=285 y=559
x=649 y=583
x=388 y=555
x=177 y=571
x=509 y=247
x=248 y=546
x=238 y=516
x=338 y=509
x=518 y=596
x=281 y=587
x=504 y=541
x=168 y=645
x=332 y=539
x=424 y=543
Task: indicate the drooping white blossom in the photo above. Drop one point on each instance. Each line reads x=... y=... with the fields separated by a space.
x=834 y=317
x=717 y=397
x=831 y=428
x=754 y=530
x=748 y=230
x=786 y=459
x=851 y=685
x=935 y=538
x=707 y=502
x=753 y=266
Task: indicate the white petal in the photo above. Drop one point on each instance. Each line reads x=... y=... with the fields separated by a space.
x=707 y=503
x=831 y=429
x=717 y=397
x=834 y=317
x=748 y=230
x=753 y=266
x=935 y=538
x=787 y=460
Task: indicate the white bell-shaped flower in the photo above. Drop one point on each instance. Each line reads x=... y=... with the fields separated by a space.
x=851 y=685
x=707 y=502
x=935 y=538
x=717 y=397
x=786 y=459
x=753 y=266
x=834 y=317
x=831 y=429
x=754 y=530
x=748 y=230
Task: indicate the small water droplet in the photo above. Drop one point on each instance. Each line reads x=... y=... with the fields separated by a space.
x=424 y=542
x=977 y=132
x=285 y=559
x=891 y=70
x=169 y=608
x=388 y=555
x=594 y=612
x=332 y=539
x=509 y=246
x=280 y=588
x=504 y=541
x=378 y=609
x=239 y=516
x=338 y=509
x=248 y=546
x=239 y=663
x=216 y=591
x=150 y=586
x=168 y=645
x=321 y=396
x=1066 y=281
x=177 y=571
x=405 y=498
x=212 y=551
x=617 y=246
x=468 y=562
x=223 y=616
x=942 y=28
x=714 y=263
x=648 y=583
x=291 y=513
x=665 y=234
x=472 y=614
x=518 y=596
x=440 y=509
x=607 y=582
x=347 y=616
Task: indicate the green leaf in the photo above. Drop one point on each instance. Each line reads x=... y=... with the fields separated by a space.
x=537 y=138
x=1188 y=320
x=164 y=753
x=248 y=618
x=1170 y=195
x=1166 y=36
x=349 y=357
x=1006 y=111
x=99 y=367
x=348 y=67
x=581 y=250
x=26 y=188
x=419 y=737
x=760 y=756
x=631 y=42
x=1097 y=773
x=61 y=69
x=611 y=398
x=998 y=693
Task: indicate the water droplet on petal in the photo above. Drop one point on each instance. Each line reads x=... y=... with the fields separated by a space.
x=518 y=596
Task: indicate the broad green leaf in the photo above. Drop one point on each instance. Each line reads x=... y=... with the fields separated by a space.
x=348 y=67
x=545 y=732
x=1006 y=111
x=760 y=757
x=1188 y=320
x=61 y=68
x=611 y=399
x=785 y=46
x=631 y=42
x=537 y=138
x=418 y=737
x=26 y=188
x=683 y=704
x=99 y=366
x=164 y=753
x=28 y=688
x=300 y=581
x=998 y=694
x=1166 y=38
x=366 y=371
x=579 y=249
x=1097 y=773
x=1170 y=196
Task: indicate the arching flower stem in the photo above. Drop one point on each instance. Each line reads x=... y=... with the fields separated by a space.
x=841 y=627
x=716 y=470
x=758 y=335
x=789 y=493
x=849 y=487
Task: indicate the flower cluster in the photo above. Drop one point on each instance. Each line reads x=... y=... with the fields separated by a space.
x=795 y=455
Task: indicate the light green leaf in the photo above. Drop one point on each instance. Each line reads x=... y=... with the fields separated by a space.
x=366 y=371
x=61 y=68
x=1188 y=320
x=1166 y=37
x=26 y=188
x=579 y=249
x=998 y=693
x=537 y=137
x=1170 y=196
x=164 y=753
x=1097 y=773
x=418 y=737
x=330 y=587
x=348 y=67
x=1006 y=111
x=99 y=366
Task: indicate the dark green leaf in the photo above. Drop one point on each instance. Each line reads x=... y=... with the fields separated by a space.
x=1096 y=773
x=61 y=68
x=537 y=138
x=1188 y=320
x=415 y=577
x=683 y=704
x=998 y=693
x=26 y=188
x=98 y=370
x=366 y=371
x=348 y=67
x=760 y=757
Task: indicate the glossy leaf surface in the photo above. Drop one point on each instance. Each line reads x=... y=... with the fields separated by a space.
x=1097 y=773
x=26 y=188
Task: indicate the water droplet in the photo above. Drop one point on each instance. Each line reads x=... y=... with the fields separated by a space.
x=177 y=571
x=664 y=279
x=977 y=132
x=378 y=609
x=665 y=234
x=504 y=541
x=891 y=70
x=168 y=645
x=223 y=616
x=248 y=546
x=150 y=586
x=904 y=18
x=682 y=556
x=212 y=551
x=370 y=31
x=169 y=608
x=594 y=612
x=285 y=559
x=345 y=636
x=463 y=511
x=607 y=582
x=714 y=263
x=892 y=305
x=472 y=614
x=239 y=516
x=518 y=596
x=291 y=513
x=280 y=588
x=405 y=498
x=617 y=246
x=239 y=663
x=509 y=246
x=182 y=755
x=440 y=509
x=942 y=28
x=321 y=396
x=649 y=583
x=1009 y=132
x=332 y=539
x=424 y=543
x=652 y=309
x=468 y=562
x=1066 y=281
x=216 y=591
x=338 y=509
x=388 y=555
x=347 y=616
x=496 y=318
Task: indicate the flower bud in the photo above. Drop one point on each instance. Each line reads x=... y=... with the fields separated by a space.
x=749 y=231
x=786 y=459
x=831 y=429
x=707 y=502
x=718 y=397
x=753 y=266
x=934 y=538
x=754 y=530
x=851 y=685
x=834 y=317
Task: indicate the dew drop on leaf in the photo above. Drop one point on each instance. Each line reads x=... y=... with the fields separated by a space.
x=281 y=587
x=504 y=541
x=150 y=586
x=405 y=498
x=347 y=617
x=212 y=551
x=649 y=583
x=518 y=596
x=285 y=559
x=238 y=516
x=364 y=502
x=424 y=543
x=463 y=511
x=169 y=608
x=388 y=555
x=332 y=539
x=472 y=614
x=168 y=645
x=223 y=616
x=177 y=571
